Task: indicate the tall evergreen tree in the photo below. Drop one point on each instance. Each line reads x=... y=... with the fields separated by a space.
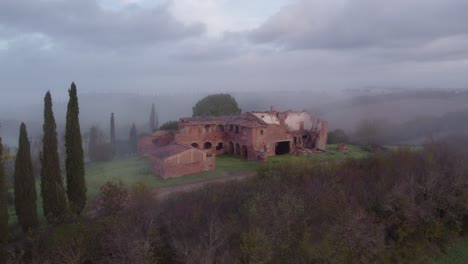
x=25 y=184
x=52 y=191
x=133 y=139
x=3 y=202
x=92 y=144
x=112 y=129
x=154 y=121
x=112 y=134
x=74 y=163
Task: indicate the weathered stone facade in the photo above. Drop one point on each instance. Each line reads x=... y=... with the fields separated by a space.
x=253 y=135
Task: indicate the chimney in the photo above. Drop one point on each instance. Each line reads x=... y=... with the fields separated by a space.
x=273 y=108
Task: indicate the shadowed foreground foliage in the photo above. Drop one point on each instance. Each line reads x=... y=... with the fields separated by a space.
x=397 y=207
x=3 y=202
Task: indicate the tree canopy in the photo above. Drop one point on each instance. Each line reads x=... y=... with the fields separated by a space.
x=170 y=125
x=216 y=105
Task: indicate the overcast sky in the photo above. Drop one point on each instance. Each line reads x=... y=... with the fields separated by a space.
x=153 y=46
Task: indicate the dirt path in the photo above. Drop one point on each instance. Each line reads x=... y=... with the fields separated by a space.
x=164 y=192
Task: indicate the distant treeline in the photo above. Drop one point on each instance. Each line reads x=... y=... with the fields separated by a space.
x=395 y=207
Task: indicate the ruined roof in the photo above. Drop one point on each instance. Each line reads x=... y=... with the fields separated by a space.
x=268 y=117
x=170 y=150
x=246 y=120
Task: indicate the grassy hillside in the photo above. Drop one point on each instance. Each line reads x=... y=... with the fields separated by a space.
x=134 y=170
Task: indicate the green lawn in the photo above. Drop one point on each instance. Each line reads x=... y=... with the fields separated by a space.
x=134 y=170
x=354 y=152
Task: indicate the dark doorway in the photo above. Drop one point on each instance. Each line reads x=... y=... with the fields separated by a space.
x=237 y=149
x=207 y=145
x=195 y=145
x=231 y=147
x=283 y=147
x=244 y=152
x=220 y=146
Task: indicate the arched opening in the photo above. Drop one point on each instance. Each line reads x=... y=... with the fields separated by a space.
x=207 y=128
x=195 y=145
x=231 y=147
x=237 y=149
x=207 y=145
x=220 y=128
x=237 y=129
x=244 y=152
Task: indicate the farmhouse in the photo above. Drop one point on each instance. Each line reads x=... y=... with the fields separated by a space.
x=252 y=135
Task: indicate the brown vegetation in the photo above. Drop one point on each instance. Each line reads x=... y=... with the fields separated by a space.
x=395 y=207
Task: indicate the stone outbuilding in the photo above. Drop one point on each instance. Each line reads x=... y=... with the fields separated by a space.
x=176 y=159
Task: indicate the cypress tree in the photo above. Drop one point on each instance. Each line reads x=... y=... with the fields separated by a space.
x=133 y=139
x=3 y=202
x=112 y=129
x=153 y=122
x=24 y=184
x=52 y=191
x=93 y=141
x=156 y=121
x=112 y=134
x=74 y=163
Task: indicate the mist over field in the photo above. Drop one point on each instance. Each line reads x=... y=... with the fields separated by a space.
x=343 y=110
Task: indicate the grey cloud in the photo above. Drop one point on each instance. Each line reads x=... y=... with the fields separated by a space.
x=86 y=23
x=352 y=24
x=55 y=42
